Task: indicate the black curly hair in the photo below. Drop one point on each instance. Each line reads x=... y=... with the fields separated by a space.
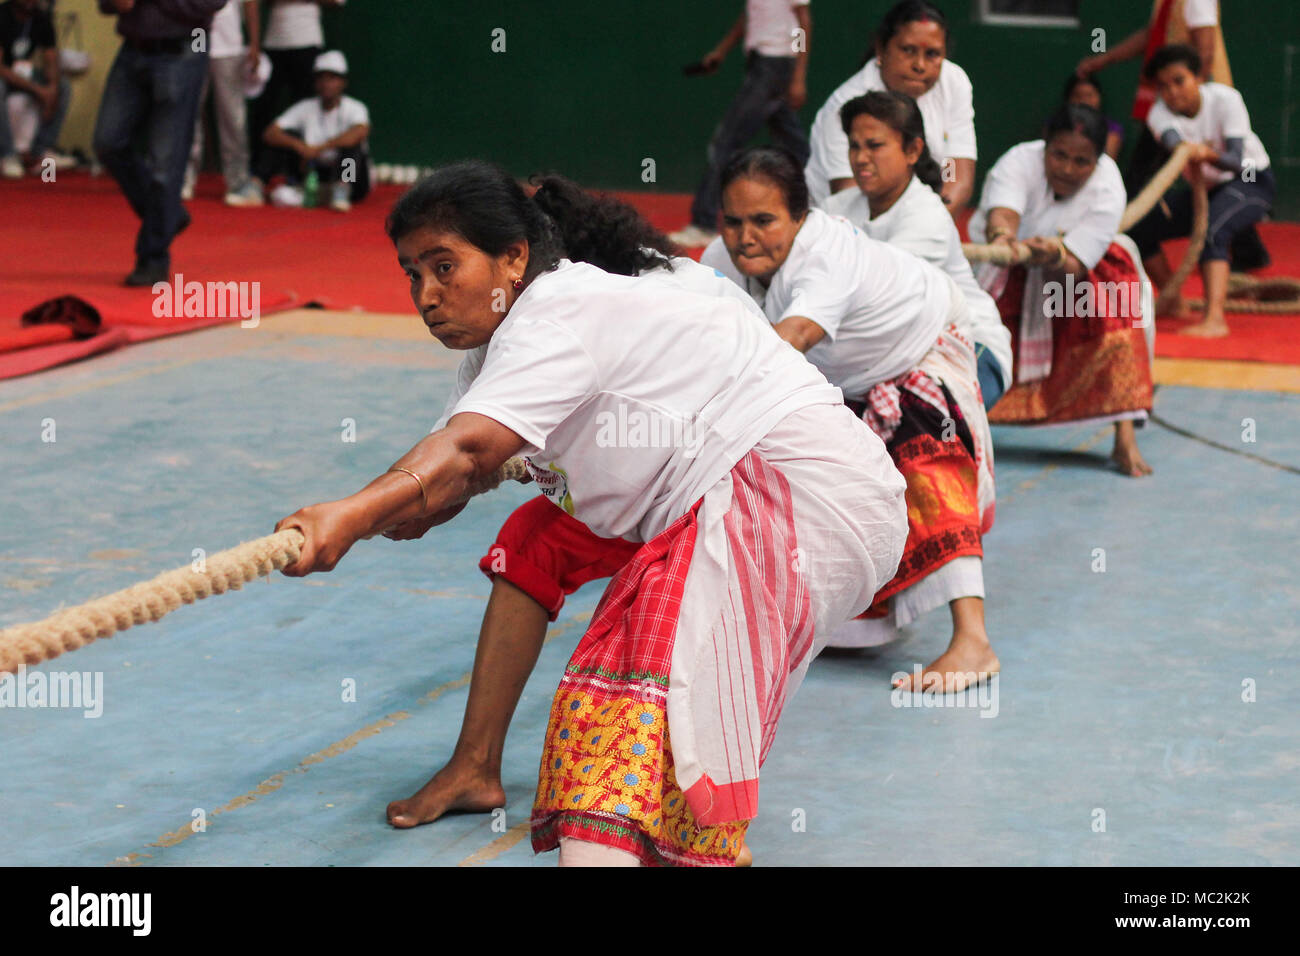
x=482 y=203
x=600 y=229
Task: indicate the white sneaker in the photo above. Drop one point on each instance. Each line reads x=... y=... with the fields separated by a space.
x=62 y=161
x=286 y=195
x=11 y=167
x=693 y=236
x=247 y=195
x=339 y=197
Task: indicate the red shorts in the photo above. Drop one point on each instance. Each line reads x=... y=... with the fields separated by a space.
x=547 y=553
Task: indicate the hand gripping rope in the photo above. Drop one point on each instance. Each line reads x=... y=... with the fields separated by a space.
x=75 y=627
x=1245 y=294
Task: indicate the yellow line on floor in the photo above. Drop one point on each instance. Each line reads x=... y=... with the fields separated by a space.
x=1242 y=376
x=1086 y=445
x=276 y=780
x=406 y=327
x=498 y=846
x=69 y=390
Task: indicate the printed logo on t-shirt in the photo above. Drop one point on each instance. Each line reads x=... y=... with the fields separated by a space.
x=553 y=482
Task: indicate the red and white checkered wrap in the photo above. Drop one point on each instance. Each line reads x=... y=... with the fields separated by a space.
x=884 y=413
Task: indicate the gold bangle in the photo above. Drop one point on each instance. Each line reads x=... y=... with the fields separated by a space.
x=424 y=495
x=1062 y=254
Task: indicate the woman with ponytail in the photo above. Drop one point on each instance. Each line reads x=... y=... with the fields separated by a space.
x=663 y=717
x=897 y=201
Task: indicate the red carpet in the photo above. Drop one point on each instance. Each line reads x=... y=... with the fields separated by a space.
x=1251 y=338
x=76 y=237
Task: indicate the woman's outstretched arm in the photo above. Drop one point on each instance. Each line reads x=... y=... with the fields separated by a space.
x=442 y=470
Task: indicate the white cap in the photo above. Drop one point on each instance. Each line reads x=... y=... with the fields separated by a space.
x=331 y=61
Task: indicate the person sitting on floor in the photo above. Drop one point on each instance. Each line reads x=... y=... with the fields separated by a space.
x=328 y=134
x=1229 y=160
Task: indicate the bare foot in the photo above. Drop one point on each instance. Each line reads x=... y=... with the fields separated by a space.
x=1205 y=330
x=968 y=660
x=744 y=858
x=1125 y=454
x=457 y=786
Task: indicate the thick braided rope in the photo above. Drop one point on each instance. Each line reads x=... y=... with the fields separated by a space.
x=1247 y=294
x=75 y=627
x=1142 y=204
x=1200 y=225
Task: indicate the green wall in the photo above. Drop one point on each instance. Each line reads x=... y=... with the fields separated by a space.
x=591 y=89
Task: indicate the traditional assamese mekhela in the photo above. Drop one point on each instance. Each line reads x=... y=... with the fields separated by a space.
x=775 y=519
x=1083 y=345
x=898 y=344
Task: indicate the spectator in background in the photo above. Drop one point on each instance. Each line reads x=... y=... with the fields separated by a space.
x=326 y=133
x=293 y=39
x=776 y=35
x=26 y=30
x=1086 y=91
x=910 y=57
x=229 y=62
x=153 y=89
x=1229 y=159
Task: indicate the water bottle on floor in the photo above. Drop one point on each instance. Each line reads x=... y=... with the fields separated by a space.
x=311 y=189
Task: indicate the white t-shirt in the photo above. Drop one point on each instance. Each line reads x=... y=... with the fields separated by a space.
x=948 y=110
x=292 y=25
x=316 y=125
x=687 y=275
x=691 y=276
x=634 y=398
x=1089 y=219
x=920 y=223
x=770 y=26
x=1201 y=13
x=1222 y=117
x=224 y=36
x=881 y=308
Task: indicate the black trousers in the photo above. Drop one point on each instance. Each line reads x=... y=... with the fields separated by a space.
x=291 y=80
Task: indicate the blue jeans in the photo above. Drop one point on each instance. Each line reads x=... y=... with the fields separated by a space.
x=990 y=376
x=47 y=131
x=153 y=97
x=761 y=99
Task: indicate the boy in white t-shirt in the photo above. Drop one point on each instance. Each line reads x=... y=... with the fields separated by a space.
x=326 y=133
x=1229 y=160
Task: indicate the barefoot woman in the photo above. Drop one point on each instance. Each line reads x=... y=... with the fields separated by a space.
x=542 y=553
x=891 y=331
x=772 y=524
x=1078 y=310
